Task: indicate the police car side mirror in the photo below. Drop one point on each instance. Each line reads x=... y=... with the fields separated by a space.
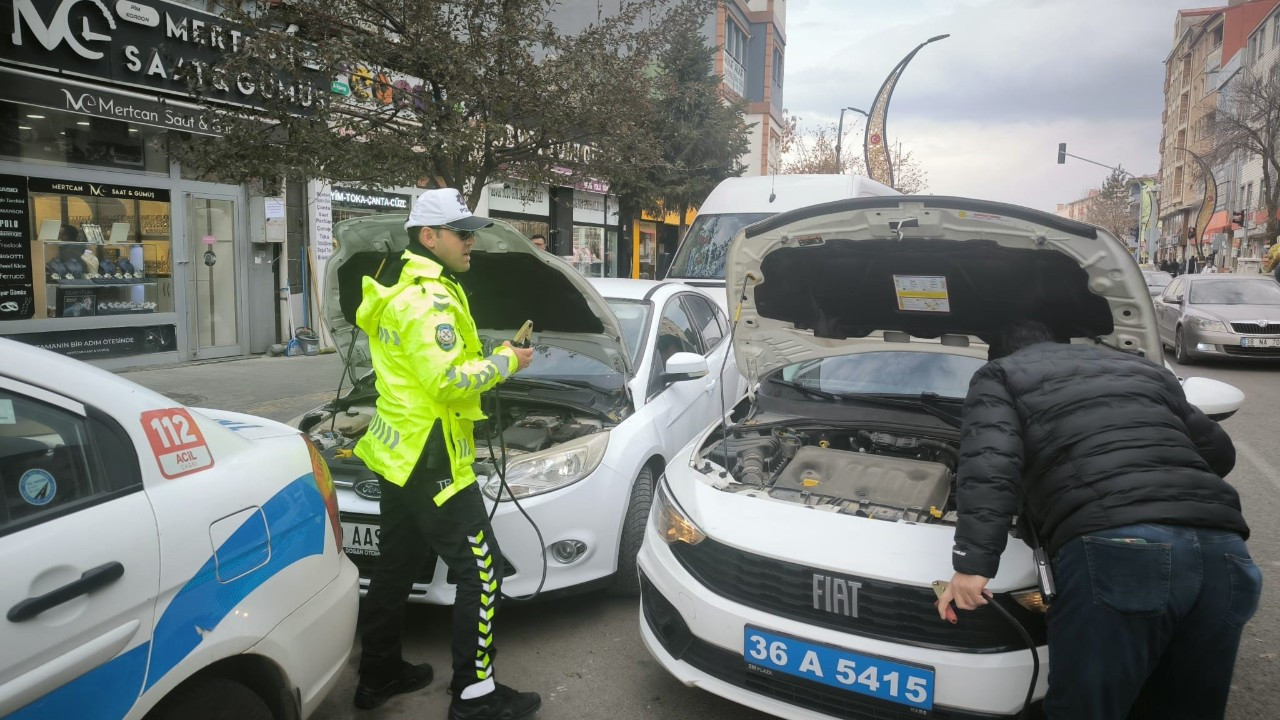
x=684 y=366
x=1216 y=399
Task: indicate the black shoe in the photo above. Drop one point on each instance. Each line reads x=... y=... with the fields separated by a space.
x=501 y=704
x=370 y=695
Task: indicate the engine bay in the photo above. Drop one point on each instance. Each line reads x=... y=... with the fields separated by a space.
x=880 y=475
x=525 y=427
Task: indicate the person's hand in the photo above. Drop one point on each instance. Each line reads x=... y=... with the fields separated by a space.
x=524 y=356
x=968 y=592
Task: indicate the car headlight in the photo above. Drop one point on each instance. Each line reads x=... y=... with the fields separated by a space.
x=673 y=525
x=1031 y=600
x=548 y=470
x=1210 y=324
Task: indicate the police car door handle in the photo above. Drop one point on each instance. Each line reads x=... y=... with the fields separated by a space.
x=93 y=579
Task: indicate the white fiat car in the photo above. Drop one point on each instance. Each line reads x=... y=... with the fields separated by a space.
x=625 y=373
x=790 y=555
x=159 y=560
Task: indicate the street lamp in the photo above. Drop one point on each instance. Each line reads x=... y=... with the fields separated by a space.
x=840 y=133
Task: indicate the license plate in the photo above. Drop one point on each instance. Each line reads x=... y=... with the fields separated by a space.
x=766 y=652
x=1259 y=342
x=360 y=538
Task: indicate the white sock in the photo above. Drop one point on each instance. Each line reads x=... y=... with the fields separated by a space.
x=479 y=689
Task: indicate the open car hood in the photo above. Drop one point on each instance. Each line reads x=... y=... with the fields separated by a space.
x=510 y=281
x=868 y=274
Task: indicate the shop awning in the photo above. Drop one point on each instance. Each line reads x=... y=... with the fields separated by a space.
x=1218 y=223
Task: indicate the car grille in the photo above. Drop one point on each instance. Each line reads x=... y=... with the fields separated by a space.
x=886 y=611
x=665 y=623
x=367 y=563
x=1270 y=328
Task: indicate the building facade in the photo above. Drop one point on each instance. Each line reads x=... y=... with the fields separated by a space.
x=109 y=250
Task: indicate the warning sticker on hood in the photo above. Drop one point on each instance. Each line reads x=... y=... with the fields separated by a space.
x=922 y=293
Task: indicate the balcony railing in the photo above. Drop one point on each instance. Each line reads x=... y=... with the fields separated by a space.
x=735 y=75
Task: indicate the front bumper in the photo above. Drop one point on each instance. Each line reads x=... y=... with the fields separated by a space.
x=1210 y=343
x=698 y=637
x=589 y=511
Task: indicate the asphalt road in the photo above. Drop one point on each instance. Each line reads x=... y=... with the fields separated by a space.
x=584 y=654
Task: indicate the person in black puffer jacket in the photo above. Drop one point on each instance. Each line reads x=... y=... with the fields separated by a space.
x=1122 y=480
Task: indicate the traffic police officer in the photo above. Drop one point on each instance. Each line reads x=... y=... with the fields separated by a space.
x=430 y=371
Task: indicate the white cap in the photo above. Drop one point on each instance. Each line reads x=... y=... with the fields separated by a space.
x=444 y=208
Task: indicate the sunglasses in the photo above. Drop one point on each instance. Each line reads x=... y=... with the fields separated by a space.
x=463 y=235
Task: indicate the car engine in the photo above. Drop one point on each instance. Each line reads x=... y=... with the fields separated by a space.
x=868 y=474
x=525 y=428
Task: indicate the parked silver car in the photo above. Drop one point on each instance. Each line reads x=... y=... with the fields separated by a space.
x=1157 y=281
x=1220 y=315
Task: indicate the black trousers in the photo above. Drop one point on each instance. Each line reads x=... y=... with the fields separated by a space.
x=412 y=525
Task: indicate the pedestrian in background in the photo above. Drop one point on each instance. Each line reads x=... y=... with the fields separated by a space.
x=539 y=241
x=431 y=371
x=1099 y=453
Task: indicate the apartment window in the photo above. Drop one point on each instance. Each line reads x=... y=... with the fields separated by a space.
x=777 y=67
x=735 y=42
x=1275 y=30
x=1248 y=198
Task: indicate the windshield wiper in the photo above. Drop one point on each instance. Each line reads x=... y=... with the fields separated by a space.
x=805 y=389
x=929 y=402
x=539 y=382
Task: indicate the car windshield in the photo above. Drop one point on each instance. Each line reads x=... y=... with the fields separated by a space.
x=1262 y=291
x=1157 y=279
x=702 y=254
x=633 y=315
x=888 y=373
x=565 y=366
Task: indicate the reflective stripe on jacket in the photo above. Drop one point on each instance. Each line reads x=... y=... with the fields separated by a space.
x=430 y=366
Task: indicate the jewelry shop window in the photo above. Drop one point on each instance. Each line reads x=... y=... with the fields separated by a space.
x=100 y=250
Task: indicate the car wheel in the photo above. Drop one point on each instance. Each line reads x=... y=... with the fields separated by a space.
x=1180 y=352
x=627 y=580
x=212 y=698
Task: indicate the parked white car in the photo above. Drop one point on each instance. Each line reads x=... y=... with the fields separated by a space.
x=625 y=373
x=789 y=558
x=160 y=560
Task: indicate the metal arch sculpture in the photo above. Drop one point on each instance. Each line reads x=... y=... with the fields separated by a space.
x=875 y=147
x=1210 y=200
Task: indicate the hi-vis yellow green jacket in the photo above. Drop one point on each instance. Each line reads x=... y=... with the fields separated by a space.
x=430 y=366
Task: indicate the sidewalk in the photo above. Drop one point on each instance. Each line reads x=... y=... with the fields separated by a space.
x=279 y=388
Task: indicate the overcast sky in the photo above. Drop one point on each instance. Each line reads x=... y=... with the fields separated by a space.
x=985 y=109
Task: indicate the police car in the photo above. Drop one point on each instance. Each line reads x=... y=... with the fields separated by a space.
x=625 y=373
x=789 y=560
x=160 y=559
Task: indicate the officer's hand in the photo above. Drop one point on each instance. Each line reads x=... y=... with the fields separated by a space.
x=523 y=355
x=966 y=591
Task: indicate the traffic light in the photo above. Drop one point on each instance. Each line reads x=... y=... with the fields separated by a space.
x=1062 y=153
x=1237 y=218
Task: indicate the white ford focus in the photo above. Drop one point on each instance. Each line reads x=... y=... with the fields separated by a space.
x=625 y=373
x=158 y=560
x=790 y=556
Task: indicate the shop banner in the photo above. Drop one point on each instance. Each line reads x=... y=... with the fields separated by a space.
x=322 y=238
x=103 y=190
x=99 y=343
x=370 y=200
x=96 y=101
x=156 y=45
x=17 y=295
x=518 y=196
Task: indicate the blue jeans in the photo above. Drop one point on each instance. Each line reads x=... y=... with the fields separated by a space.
x=1148 y=609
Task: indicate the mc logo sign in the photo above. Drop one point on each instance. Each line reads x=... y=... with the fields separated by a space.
x=60 y=28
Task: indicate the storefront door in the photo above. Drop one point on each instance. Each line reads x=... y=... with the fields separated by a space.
x=214 y=308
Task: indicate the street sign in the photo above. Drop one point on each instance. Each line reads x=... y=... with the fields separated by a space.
x=337 y=87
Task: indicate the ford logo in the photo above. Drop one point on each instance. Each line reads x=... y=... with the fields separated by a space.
x=369 y=489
